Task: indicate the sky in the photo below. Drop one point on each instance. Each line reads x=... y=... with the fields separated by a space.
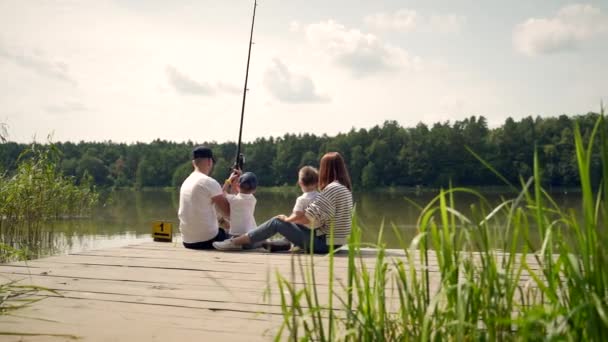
x=134 y=71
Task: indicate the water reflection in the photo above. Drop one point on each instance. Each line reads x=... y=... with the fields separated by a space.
x=127 y=216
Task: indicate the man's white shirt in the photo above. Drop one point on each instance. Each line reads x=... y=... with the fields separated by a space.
x=197 y=215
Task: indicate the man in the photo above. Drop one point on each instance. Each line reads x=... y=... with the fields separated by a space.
x=198 y=197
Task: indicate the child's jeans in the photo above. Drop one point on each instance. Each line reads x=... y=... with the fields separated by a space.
x=248 y=246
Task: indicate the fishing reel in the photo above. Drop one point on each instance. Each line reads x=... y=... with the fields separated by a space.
x=239 y=163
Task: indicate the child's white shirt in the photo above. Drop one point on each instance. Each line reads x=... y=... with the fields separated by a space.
x=304 y=200
x=242 y=207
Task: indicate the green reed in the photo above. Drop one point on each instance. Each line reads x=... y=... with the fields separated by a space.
x=472 y=275
x=35 y=195
x=13 y=295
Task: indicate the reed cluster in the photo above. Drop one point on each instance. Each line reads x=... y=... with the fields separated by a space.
x=474 y=275
x=34 y=196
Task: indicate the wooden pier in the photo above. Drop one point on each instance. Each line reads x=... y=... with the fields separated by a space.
x=152 y=292
x=158 y=292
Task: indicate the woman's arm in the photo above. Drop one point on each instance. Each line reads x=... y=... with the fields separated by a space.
x=322 y=209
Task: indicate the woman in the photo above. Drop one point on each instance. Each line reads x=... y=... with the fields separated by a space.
x=330 y=210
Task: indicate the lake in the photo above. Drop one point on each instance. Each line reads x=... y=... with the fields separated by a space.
x=126 y=216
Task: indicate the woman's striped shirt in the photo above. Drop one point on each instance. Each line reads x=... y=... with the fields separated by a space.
x=332 y=208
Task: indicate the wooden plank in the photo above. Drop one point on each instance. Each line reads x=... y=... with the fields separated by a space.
x=162 y=291
x=258 y=257
x=93 y=320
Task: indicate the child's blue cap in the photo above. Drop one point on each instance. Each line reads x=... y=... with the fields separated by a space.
x=248 y=180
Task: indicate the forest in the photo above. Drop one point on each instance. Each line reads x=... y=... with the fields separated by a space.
x=386 y=155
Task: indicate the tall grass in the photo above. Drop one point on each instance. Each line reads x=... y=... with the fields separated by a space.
x=13 y=295
x=31 y=198
x=472 y=275
x=35 y=195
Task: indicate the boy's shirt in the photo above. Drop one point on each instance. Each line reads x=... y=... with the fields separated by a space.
x=242 y=207
x=304 y=200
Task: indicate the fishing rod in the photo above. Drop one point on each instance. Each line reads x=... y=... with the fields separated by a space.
x=240 y=159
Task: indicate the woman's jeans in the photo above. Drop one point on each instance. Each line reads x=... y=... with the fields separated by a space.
x=297 y=234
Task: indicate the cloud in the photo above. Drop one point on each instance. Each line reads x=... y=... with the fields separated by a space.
x=571 y=26
x=362 y=53
x=290 y=87
x=228 y=88
x=295 y=26
x=66 y=107
x=187 y=86
x=449 y=23
x=37 y=63
x=402 y=20
x=407 y=20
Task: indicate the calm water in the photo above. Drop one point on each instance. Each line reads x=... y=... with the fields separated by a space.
x=127 y=216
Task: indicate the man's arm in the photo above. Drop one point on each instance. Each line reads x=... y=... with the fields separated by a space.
x=221 y=203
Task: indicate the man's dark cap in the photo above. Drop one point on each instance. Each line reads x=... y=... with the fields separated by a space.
x=248 y=180
x=202 y=152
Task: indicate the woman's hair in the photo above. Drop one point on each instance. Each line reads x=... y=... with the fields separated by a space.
x=309 y=176
x=333 y=168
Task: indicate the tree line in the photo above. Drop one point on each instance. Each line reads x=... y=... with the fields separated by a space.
x=385 y=155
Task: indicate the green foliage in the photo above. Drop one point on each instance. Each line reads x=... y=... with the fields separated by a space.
x=476 y=275
x=369 y=176
x=93 y=166
x=309 y=158
x=221 y=170
x=37 y=193
x=181 y=173
x=421 y=156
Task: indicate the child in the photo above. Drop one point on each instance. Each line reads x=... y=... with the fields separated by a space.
x=242 y=203
x=308 y=180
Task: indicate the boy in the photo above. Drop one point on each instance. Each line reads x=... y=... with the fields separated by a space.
x=242 y=203
x=308 y=180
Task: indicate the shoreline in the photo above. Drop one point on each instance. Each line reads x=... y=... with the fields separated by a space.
x=497 y=189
